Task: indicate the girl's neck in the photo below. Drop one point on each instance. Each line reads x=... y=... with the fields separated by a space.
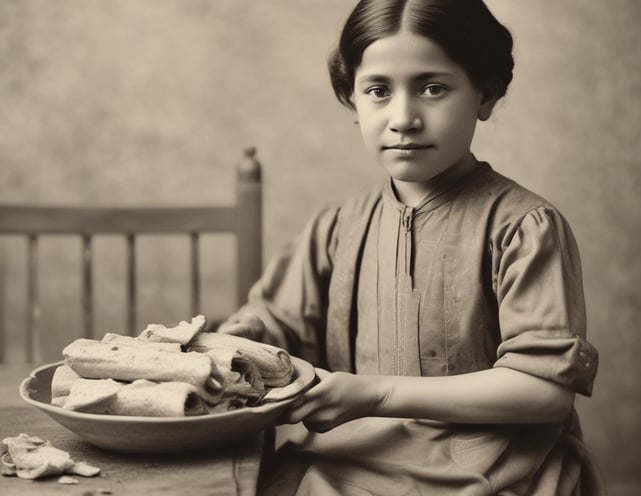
x=413 y=193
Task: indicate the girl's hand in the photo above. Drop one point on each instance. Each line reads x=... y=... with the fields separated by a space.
x=247 y=326
x=338 y=398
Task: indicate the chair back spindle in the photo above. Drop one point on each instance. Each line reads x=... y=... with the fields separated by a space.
x=87 y=286
x=242 y=219
x=132 y=303
x=33 y=305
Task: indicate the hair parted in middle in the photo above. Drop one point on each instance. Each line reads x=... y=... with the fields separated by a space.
x=465 y=29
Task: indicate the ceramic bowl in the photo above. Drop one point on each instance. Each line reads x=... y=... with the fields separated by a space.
x=166 y=434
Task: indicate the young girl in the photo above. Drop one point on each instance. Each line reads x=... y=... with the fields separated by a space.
x=444 y=309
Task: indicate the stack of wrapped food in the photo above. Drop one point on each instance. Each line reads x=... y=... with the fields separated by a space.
x=169 y=372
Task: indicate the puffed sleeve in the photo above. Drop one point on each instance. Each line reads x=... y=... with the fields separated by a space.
x=541 y=303
x=291 y=295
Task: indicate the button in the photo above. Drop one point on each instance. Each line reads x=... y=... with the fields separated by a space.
x=581 y=354
x=588 y=365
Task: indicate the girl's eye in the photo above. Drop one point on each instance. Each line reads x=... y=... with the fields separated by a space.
x=377 y=92
x=434 y=90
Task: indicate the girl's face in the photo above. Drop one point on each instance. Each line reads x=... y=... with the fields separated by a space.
x=417 y=109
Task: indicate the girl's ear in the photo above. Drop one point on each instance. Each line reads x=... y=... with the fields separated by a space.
x=489 y=97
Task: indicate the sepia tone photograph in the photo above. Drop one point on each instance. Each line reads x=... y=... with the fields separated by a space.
x=320 y=247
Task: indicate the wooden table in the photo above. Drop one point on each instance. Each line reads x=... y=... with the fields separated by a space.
x=233 y=471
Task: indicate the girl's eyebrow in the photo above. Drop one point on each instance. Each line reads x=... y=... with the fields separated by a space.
x=381 y=78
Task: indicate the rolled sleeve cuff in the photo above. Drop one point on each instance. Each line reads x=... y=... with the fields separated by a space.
x=556 y=355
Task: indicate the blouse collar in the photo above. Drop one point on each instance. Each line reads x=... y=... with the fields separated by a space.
x=448 y=180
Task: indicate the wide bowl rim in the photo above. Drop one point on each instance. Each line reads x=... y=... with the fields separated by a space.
x=306 y=375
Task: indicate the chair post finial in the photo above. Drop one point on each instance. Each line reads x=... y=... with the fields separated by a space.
x=249 y=168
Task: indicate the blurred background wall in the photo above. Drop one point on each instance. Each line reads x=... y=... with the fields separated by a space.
x=150 y=102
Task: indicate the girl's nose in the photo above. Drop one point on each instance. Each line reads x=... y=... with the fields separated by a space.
x=403 y=116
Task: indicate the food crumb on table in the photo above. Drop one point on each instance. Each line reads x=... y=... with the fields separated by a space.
x=65 y=479
x=29 y=457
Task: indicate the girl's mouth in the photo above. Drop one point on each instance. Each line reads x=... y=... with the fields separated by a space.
x=407 y=146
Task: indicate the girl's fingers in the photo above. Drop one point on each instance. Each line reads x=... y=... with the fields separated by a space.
x=297 y=403
x=234 y=330
x=243 y=330
x=318 y=426
x=306 y=408
x=313 y=400
x=248 y=326
x=322 y=373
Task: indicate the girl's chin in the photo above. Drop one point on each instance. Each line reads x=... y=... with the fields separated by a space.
x=413 y=171
x=411 y=175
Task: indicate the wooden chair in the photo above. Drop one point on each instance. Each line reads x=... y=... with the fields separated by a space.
x=242 y=219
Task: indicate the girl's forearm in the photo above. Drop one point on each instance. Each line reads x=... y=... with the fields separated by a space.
x=498 y=395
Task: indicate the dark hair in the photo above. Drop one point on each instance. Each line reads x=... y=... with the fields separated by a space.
x=465 y=29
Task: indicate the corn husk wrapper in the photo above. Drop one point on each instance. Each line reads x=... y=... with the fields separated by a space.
x=242 y=382
x=95 y=360
x=63 y=378
x=273 y=364
x=139 y=398
x=182 y=334
x=114 y=338
x=87 y=392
